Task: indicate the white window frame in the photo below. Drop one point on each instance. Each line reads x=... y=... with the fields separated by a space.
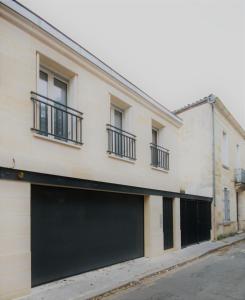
x=157 y=131
x=225 y=149
x=238 y=156
x=51 y=76
x=113 y=109
x=227 y=215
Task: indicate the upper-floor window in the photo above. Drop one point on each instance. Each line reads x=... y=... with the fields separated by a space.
x=226 y=205
x=117 y=117
x=225 y=149
x=121 y=142
x=55 y=88
x=159 y=154
x=238 y=157
x=52 y=115
x=154 y=136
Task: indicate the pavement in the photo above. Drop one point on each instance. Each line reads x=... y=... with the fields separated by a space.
x=100 y=282
x=215 y=277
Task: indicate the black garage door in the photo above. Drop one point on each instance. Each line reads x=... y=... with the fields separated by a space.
x=74 y=231
x=168 y=237
x=195 y=221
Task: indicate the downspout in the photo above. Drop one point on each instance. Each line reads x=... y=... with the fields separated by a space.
x=211 y=100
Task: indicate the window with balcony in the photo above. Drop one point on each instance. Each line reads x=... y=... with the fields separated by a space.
x=51 y=114
x=159 y=154
x=121 y=143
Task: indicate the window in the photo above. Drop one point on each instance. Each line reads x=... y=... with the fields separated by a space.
x=238 y=157
x=117 y=123
x=117 y=117
x=120 y=142
x=154 y=136
x=225 y=153
x=52 y=86
x=226 y=205
x=56 y=95
x=159 y=155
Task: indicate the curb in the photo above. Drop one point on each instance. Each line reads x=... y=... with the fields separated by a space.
x=161 y=272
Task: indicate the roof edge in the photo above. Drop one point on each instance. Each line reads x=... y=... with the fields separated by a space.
x=209 y=99
x=212 y=99
x=67 y=41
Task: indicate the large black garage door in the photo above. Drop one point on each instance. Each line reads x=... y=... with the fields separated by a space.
x=74 y=231
x=195 y=221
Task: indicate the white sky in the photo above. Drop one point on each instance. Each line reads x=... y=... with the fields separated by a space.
x=178 y=51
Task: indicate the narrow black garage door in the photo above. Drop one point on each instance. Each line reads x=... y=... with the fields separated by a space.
x=168 y=237
x=195 y=221
x=74 y=231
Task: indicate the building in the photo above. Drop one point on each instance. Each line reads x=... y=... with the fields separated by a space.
x=89 y=163
x=212 y=161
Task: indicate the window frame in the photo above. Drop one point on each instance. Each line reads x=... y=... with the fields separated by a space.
x=156 y=130
x=227 y=214
x=225 y=149
x=52 y=75
x=112 y=117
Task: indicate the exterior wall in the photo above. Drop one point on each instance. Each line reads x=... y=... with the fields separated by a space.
x=15 y=255
x=153 y=226
x=176 y=224
x=196 y=163
x=225 y=175
x=196 y=151
x=21 y=149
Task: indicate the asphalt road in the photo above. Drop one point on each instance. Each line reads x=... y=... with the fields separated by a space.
x=220 y=276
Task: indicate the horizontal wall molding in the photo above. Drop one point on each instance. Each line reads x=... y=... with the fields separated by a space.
x=63 y=181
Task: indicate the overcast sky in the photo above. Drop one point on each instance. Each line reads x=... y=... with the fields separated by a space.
x=178 y=51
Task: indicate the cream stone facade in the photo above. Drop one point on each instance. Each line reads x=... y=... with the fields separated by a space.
x=127 y=152
x=27 y=48
x=211 y=134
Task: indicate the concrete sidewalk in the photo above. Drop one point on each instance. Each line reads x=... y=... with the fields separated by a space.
x=98 y=282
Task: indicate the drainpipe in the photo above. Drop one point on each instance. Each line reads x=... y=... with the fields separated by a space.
x=211 y=100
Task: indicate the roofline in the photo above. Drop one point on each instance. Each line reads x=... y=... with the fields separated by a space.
x=228 y=115
x=212 y=99
x=63 y=38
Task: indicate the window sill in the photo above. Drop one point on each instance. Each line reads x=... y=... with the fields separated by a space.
x=160 y=169
x=128 y=160
x=53 y=140
x=227 y=223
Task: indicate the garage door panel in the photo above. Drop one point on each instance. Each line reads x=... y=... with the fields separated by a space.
x=195 y=221
x=74 y=231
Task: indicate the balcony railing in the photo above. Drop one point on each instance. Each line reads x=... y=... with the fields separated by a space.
x=240 y=176
x=51 y=118
x=121 y=142
x=159 y=157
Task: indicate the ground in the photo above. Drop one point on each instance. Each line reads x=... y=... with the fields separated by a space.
x=220 y=276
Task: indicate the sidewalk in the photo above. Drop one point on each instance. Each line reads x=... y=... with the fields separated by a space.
x=98 y=282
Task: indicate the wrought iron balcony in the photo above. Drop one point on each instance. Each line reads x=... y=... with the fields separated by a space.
x=121 y=142
x=51 y=118
x=240 y=176
x=159 y=157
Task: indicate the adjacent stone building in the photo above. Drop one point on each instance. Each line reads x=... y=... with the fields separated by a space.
x=212 y=161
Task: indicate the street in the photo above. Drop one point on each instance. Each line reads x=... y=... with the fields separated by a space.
x=219 y=276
